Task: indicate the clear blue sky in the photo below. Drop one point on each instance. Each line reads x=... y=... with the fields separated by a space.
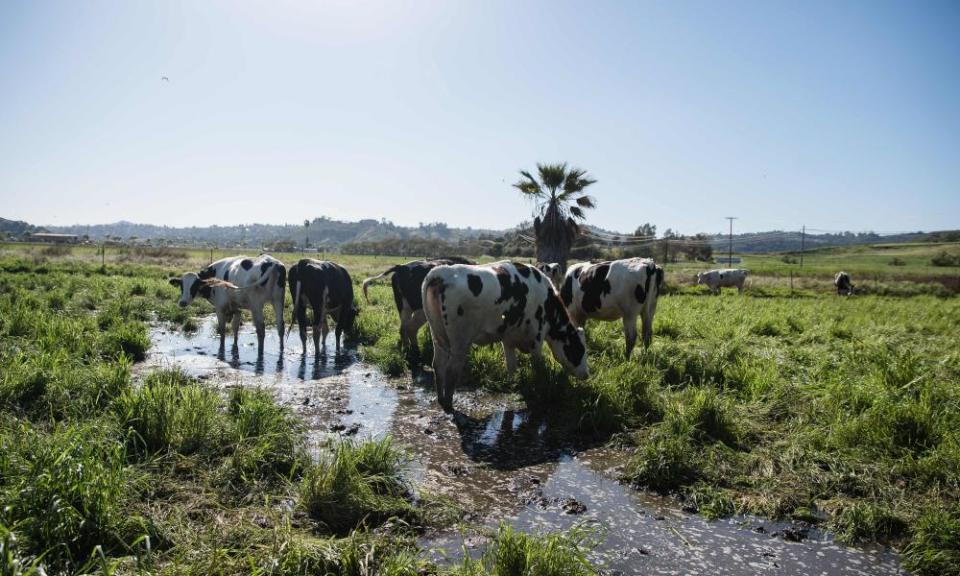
x=839 y=115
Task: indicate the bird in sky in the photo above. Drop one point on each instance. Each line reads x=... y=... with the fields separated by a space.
x=165 y=79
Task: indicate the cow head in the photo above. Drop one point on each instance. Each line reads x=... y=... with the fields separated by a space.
x=190 y=285
x=349 y=317
x=699 y=278
x=567 y=342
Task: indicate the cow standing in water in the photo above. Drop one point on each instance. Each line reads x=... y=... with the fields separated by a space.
x=716 y=279
x=843 y=284
x=327 y=288
x=407 y=282
x=234 y=284
x=611 y=290
x=505 y=302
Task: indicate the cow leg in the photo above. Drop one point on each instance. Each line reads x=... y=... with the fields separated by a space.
x=278 y=314
x=222 y=328
x=417 y=319
x=261 y=329
x=236 y=328
x=647 y=329
x=337 y=333
x=441 y=358
x=315 y=326
x=630 y=332
x=457 y=362
x=510 y=355
x=301 y=313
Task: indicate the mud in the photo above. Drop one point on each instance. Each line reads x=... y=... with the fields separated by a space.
x=501 y=462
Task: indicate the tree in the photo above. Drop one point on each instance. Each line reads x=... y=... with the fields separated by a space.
x=560 y=203
x=306 y=233
x=646 y=229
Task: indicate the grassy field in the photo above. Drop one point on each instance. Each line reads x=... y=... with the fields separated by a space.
x=844 y=412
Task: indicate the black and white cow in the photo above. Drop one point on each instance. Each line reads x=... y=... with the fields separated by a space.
x=407 y=282
x=234 y=284
x=611 y=290
x=553 y=271
x=327 y=288
x=505 y=302
x=726 y=277
x=843 y=284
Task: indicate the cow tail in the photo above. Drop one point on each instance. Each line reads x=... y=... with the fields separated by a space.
x=369 y=281
x=432 y=308
x=296 y=297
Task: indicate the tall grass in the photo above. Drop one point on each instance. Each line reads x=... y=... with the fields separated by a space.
x=356 y=484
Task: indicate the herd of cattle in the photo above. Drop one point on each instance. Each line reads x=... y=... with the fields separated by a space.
x=520 y=306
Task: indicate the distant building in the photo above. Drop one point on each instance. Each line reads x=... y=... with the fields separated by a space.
x=727 y=260
x=51 y=238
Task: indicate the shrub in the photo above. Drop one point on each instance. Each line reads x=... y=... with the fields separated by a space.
x=934 y=548
x=64 y=490
x=267 y=439
x=664 y=463
x=356 y=484
x=865 y=521
x=169 y=412
x=513 y=553
x=129 y=338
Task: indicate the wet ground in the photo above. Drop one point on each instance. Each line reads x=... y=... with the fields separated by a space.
x=502 y=463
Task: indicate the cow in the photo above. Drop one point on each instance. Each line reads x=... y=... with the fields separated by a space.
x=505 y=302
x=407 y=281
x=236 y=283
x=613 y=290
x=553 y=271
x=843 y=284
x=716 y=279
x=327 y=288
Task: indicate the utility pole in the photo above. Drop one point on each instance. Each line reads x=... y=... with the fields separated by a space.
x=730 y=248
x=666 y=244
x=803 y=241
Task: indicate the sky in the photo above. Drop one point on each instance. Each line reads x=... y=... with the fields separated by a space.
x=834 y=115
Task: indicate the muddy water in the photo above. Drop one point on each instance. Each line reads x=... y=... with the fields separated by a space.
x=503 y=463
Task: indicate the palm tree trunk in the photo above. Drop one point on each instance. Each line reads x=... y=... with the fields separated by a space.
x=554 y=236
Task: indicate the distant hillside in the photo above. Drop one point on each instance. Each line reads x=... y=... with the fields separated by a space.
x=17 y=228
x=328 y=233
x=323 y=231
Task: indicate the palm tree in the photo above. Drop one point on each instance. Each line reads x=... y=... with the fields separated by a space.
x=560 y=204
x=306 y=235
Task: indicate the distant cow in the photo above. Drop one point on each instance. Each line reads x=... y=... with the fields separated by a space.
x=234 y=284
x=407 y=282
x=716 y=279
x=843 y=284
x=553 y=271
x=505 y=302
x=327 y=288
x=610 y=290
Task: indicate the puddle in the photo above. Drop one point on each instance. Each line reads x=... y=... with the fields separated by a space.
x=503 y=463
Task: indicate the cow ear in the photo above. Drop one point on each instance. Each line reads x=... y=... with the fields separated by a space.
x=178 y=282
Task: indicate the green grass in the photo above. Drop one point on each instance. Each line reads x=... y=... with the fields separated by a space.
x=513 y=553
x=357 y=484
x=773 y=402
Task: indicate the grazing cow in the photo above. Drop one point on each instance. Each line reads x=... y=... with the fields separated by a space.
x=611 y=290
x=553 y=271
x=407 y=282
x=236 y=283
x=843 y=284
x=716 y=279
x=327 y=288
x=505 y=302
